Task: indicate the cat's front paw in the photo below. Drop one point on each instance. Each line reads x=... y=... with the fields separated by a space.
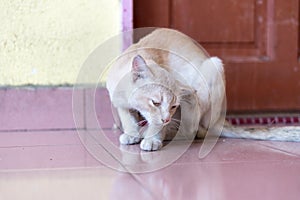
x=151 y=144
x=129 y=139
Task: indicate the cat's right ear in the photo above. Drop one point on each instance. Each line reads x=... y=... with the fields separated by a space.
x=139 y=69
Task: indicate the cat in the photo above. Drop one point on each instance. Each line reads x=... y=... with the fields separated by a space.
x=167 y=81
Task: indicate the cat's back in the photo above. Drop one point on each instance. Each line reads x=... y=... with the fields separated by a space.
x=172 y=41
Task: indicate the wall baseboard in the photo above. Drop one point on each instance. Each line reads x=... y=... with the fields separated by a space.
x=52 y=109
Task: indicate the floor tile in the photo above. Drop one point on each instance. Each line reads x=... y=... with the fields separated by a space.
x=234 y=181
x=85 y=164
x=38 y=138
x=43 y=150
x=73 y=184
x=43 y=108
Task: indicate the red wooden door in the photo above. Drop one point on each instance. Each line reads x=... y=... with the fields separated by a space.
x=257 y=39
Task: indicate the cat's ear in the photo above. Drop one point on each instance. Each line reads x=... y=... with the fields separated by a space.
x=139 y=68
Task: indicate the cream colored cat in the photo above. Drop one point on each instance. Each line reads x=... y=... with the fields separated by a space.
x=167 y=81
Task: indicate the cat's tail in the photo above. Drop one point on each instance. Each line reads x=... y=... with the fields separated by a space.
x=284 y=133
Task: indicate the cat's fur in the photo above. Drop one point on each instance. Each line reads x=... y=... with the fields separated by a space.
x=165 y=79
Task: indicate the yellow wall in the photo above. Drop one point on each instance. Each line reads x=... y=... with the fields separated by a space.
x=46 y=42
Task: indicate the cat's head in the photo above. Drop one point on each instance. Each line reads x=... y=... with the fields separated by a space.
x=156 y=94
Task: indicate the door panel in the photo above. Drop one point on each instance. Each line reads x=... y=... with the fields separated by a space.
x=257 y=39
x=151 y=13
x=237 y=25
x=235 y=29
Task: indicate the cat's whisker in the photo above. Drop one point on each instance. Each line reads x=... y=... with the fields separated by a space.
x=186 y=100
x=175 y=124
x=176 y=120
x=180 y=95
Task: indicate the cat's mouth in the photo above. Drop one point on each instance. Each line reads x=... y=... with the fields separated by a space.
x=142 y=123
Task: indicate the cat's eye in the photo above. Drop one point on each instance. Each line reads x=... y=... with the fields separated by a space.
x=156 y=103
x=173 y=107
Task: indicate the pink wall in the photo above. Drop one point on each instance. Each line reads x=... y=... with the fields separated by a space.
x=127 y=15
x=127 y=22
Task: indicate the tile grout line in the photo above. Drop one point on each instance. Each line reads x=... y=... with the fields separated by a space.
x=54 y=129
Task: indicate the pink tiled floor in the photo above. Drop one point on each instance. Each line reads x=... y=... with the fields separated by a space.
x=42 y=157
x=235 y=169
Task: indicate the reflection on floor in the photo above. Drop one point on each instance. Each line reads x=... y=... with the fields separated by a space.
x=55 y=165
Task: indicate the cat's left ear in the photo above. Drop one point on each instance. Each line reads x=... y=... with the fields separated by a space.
x=139 y=68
